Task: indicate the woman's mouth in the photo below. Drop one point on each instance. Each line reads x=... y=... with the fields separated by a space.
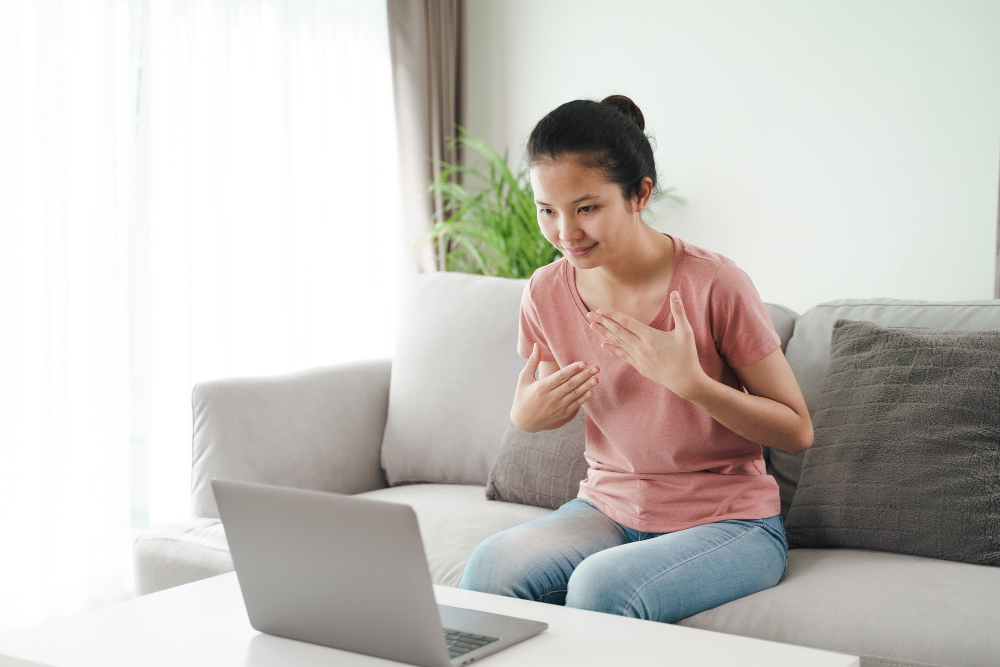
x=582 y=252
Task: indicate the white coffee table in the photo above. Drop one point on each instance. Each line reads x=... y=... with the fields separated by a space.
x=205 y=623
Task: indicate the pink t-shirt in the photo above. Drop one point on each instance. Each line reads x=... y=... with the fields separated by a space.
x=659 y=463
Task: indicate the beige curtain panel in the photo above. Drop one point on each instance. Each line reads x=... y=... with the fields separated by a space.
x=426 y=45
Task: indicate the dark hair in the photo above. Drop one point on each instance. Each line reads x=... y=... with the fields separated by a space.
x=606 y=134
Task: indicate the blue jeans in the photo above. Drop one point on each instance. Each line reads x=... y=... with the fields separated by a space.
x=578 y=557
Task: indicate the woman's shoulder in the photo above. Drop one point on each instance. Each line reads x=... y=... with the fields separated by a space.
x=698 y=253
x=701 y=264
x=548 y=277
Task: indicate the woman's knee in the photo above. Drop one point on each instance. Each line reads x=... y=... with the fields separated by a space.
x=533 y=560
x=481 y=567
x=599 y=584
x=644 y=582
x=499 y=564
x=700 y=584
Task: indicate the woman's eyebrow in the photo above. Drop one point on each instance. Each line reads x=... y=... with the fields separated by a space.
x=583 y=198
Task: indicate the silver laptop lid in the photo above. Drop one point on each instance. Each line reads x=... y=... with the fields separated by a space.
x=328 y=568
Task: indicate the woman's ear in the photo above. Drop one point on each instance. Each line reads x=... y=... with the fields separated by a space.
x=645 y=191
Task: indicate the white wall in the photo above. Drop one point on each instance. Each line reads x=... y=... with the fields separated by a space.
x=840 y=149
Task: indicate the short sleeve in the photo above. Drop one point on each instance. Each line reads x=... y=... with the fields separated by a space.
x=741 y=326
x=530 y=330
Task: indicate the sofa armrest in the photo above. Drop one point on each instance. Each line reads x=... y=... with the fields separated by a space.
x=319 y=429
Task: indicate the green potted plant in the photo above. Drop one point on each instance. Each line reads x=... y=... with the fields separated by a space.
x=495 y=231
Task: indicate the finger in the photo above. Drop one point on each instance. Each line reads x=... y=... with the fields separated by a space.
x=528 y=372
x=680 y=315
x=577 y=392
x=579 y=378
x=620 y=352
x=565 y=374
x=584 y=381
x=619 y=324
x=612 y=326
x=573 y=405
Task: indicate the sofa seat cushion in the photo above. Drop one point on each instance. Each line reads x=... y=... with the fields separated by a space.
x=890 y=608
x=453 y=520
x=179 y=552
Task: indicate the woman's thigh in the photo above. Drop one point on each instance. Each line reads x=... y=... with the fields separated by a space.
x=535 y=559
x=675 y=575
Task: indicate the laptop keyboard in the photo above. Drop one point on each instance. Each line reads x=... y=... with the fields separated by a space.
x=463 y=642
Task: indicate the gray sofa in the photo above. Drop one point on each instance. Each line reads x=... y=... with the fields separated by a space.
x=424 y=427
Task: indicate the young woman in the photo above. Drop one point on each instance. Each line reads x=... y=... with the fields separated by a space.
x=677 y=514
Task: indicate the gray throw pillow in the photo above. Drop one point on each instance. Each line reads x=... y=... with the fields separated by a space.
x=542 y=469
x=906 y=454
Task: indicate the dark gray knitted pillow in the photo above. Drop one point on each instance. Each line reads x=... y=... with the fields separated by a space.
x=906 y=454
x=542 y=469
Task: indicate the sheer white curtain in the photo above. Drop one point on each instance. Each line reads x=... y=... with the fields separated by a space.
x=188 y=190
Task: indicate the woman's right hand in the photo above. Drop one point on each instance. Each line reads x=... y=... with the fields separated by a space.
x=547 y=400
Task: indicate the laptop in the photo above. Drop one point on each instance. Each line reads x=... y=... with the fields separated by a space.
x=349 y=573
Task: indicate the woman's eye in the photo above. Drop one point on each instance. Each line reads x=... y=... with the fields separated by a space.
x=547 y=211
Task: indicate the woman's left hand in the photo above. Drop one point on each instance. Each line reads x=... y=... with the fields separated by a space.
x=669 y=358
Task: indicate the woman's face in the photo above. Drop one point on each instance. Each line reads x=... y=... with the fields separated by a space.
x=577 y=208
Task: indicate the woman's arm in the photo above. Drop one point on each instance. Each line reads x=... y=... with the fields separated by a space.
x=773 y=413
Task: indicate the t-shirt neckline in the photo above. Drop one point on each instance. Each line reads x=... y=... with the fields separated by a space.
x=569 y=274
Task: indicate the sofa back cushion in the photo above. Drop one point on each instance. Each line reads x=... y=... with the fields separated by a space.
x=544 y=468
x=454 y=373
x=907 y=445
x=808 y=351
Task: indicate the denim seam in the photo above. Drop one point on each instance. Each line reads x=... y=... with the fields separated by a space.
x=539 y=598
x=636 y=594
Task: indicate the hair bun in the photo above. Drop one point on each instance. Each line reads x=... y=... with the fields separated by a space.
x=627 y=107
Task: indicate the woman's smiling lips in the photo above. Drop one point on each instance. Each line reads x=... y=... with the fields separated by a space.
x=581 y=252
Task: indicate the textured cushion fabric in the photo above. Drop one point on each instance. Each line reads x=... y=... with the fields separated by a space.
x=808 y=352
x=891 y=609
x=906 y=456
x=179 y=552
x=454 y=372
x=542 y=469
